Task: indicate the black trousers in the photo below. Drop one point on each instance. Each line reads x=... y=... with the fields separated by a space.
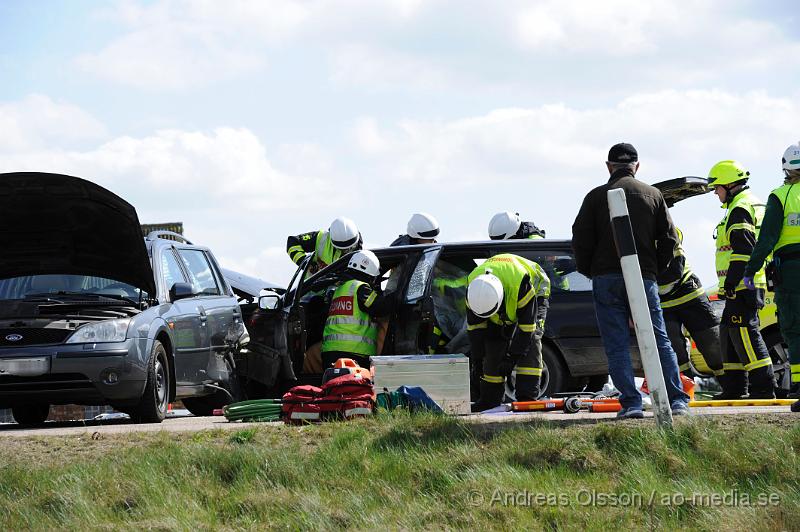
x=697 y=316
x=743 y=348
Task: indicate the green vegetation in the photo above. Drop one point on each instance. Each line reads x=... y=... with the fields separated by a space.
x=406 y=471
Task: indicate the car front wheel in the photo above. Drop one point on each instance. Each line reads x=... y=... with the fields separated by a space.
x=30 y=414
x=152 y=407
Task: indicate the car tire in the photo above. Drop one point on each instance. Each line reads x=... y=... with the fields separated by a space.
x=30 y=414
x=779 y=352
x=206 y=404
x=152 y=407
x=555 y=375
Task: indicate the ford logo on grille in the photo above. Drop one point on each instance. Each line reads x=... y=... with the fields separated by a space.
x=14 y=337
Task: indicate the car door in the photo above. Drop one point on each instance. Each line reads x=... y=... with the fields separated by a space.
x=415 y=311
x=189 y=329
x=571 y=320
x=216 y=309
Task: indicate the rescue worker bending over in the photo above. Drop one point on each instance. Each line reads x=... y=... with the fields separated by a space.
x=422 y=229
x=780 y=233
x=341 y=238
x=685 y=304
x=743 y=348
x=350 y=329
x=507 y=225
x=502 y=299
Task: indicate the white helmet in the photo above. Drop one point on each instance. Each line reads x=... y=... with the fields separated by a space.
x=791 y=158
x=504 y=225
x=365 y=261
x=485 y=294
x=344 y=233
x=422 y=225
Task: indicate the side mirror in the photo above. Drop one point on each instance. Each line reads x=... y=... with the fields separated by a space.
x=269 y=302
x=180 y=291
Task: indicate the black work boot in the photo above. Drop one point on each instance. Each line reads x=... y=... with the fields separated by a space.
x=795 y=406
x=733 y=384
x=528 y=387
x=762 y=383
x=491 y=396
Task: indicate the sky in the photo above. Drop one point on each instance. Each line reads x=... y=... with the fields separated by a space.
x=252 y=120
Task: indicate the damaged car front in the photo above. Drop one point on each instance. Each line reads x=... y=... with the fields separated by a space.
x=75 y=278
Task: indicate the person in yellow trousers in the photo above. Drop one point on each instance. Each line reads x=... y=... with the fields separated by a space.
x=745 y=355
x=780 y=235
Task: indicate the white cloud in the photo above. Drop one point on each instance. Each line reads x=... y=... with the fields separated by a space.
x=379 y=69
x=179 y=44
x=618 y=27
x=37 y=120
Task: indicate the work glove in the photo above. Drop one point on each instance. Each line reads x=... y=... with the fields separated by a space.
x=507 y=364
x=730 y=293
x=749 y=283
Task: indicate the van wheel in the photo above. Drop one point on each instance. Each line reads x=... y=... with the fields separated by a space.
x=152 y=407
x=206 y=404
x=30 y=414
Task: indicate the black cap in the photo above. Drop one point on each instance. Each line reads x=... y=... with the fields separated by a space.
x=623 y=153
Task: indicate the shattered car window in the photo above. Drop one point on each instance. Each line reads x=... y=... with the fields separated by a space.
x=419 y=278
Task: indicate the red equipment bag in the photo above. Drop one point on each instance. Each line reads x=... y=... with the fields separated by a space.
x=299 y=404
x=345 y=397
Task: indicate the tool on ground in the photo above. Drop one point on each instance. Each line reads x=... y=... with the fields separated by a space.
x=745 y=402
x=599 y=404
x=255 y=410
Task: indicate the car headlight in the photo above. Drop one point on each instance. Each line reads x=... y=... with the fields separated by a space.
x=102 y=331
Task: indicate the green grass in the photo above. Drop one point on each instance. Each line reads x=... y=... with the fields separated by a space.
x=401 y=471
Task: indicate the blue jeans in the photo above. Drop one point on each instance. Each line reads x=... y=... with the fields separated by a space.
x=611 y=307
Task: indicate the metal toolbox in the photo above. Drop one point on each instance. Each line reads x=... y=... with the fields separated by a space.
x=445 y=378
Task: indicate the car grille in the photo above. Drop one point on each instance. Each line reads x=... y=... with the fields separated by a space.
x=54 y=382
x=33 y=336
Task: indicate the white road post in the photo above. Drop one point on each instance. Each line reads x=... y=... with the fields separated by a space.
x=640 y=310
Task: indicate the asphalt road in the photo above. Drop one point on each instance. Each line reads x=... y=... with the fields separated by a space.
x=193 y=424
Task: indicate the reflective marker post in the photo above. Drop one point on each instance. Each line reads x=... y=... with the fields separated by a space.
x=640 y=310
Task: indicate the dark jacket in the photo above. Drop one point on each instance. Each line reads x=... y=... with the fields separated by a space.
x=653 y=230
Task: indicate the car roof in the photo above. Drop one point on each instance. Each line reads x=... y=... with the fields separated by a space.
x=544 y=243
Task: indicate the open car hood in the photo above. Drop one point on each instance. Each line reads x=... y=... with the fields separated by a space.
x=680 y=188
x=59 y=224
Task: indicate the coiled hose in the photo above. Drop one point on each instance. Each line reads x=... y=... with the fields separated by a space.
x=254 y=410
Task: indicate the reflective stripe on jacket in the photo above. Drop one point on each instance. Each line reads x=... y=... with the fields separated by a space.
x=789 y=196
x=724 y=256
x=348 y=328
x=511 y=269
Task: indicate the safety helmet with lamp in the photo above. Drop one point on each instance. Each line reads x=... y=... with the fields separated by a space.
x=726 y=173
x=485 y=295
x=344 y=233
x=504 y=225
x=791 y=159
x=423 y=226
x=365 y=261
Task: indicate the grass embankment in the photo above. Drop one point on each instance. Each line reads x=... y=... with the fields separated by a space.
x=413 y=472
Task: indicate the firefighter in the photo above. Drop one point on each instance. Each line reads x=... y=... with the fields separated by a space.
x=350 y=328
x=780 y=233
x=422 y=228
x=686 y=305
x=507 y=225
x=743 y=350
x=502 y=297
x=341 y=238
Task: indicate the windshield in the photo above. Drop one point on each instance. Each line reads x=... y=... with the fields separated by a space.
x=51 y=285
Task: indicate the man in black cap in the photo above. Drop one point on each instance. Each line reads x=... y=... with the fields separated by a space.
x=596 y=257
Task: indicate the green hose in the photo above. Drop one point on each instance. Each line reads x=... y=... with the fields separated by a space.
x=255 y=410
